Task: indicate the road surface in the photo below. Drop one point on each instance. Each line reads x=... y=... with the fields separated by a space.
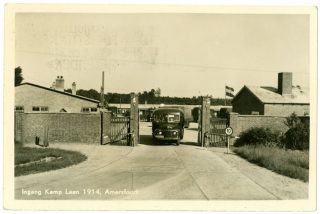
x=148 y=171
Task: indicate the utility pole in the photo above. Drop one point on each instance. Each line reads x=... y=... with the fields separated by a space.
x=225 y=95
x=102 y=91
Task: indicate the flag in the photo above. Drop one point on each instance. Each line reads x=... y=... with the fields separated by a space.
x=229 y=91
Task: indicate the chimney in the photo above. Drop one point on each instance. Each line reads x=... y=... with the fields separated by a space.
x=60 y=83
x=74 y=89
x=53 y=85
x=285 y=83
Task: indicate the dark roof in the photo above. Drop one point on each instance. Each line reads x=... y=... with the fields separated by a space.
x=271 y=95
x=60 y=92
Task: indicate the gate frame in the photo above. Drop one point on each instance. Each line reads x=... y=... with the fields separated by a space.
x=134 y=120
x=204 y=122
x=133 y=136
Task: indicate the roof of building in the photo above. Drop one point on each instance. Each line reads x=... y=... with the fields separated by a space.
x=167 y=110
x=147 y=106
x=127 y=106
x=60 y=92
x=270 y=95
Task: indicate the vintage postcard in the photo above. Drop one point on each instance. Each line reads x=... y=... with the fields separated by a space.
x=160 y=108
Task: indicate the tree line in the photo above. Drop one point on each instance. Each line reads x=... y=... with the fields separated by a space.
x=150 y=97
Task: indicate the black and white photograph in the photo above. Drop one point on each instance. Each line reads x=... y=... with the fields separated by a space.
x=178 y=105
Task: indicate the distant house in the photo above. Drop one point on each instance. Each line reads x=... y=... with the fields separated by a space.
x=35 y=98
x=281 y=101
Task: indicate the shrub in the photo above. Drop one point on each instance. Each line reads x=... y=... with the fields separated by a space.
x=297 y=137
x=258 y=136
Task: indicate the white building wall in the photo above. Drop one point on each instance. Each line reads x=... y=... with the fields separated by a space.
x=286 y=109
x=29 y=96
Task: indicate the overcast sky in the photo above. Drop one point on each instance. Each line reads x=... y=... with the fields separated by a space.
x=183 y=54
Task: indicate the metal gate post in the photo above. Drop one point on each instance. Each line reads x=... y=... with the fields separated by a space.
x=199 y=125
x=205 y=119
x=101 y=128
x=134 y=119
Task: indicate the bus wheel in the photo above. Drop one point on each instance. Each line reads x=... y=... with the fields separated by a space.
x=181 y=135
x=178 y=142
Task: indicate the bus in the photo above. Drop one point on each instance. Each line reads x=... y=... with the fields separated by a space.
x=168 y=124
x=187 y=112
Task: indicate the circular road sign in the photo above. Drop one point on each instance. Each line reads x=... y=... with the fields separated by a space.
x=228 y=131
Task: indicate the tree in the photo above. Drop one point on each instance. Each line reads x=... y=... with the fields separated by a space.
x=298 y=135
x=151 y=94
x=92 y=94
x=158 y=92
x=292 y=121
x=18 y=78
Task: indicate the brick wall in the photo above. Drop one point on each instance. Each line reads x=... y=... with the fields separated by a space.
x=240 y=123
x=63 y=127
x=18 y=120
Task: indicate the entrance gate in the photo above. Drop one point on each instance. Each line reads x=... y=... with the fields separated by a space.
x=121 y=130
x=216 y=135
x=211 y=129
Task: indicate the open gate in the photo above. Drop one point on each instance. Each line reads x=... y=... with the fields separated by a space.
x=121 y=130
x=211 y=129
x=216 y=135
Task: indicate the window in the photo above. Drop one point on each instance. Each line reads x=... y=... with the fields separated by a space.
x=19 y=109
x=40 y=108
x=167 y=118
x=44 y=108
x=35 y=108
x=88 y=109
x=85 y=110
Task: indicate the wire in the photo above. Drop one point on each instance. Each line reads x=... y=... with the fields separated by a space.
x=167 y=64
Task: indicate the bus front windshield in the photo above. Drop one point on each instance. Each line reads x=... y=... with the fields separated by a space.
x=167 y=118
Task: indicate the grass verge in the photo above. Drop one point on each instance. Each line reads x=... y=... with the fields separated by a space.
x=30 y=155
x=292 y=163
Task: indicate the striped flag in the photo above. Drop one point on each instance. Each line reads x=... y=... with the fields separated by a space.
x=229 y=91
